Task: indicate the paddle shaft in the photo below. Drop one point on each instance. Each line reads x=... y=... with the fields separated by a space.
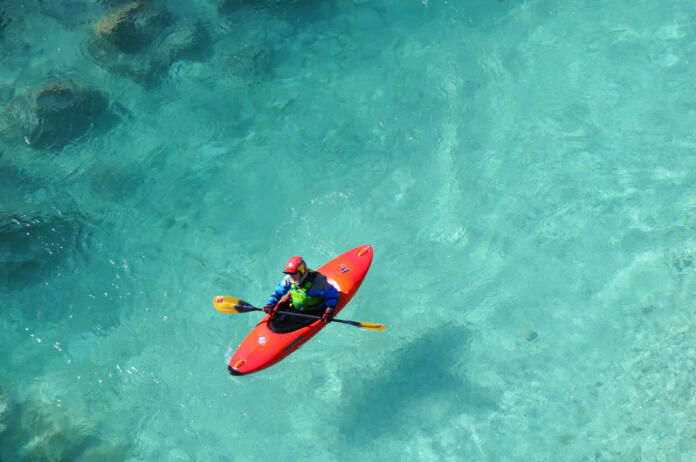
x=303 y=315
x=230 y=305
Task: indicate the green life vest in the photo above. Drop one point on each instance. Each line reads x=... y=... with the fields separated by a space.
x=301 y=299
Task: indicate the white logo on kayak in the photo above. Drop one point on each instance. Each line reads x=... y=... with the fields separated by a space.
x=262 y=340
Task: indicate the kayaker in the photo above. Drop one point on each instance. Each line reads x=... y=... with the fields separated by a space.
x=310 y=291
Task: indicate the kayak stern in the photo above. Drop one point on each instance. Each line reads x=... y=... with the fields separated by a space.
x=233 y=371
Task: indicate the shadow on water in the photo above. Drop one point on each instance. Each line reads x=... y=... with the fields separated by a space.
x=417 y=387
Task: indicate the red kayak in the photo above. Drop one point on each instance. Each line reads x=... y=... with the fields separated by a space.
x=263 y=347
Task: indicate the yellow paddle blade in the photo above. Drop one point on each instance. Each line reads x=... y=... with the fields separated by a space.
x=231 y=305
x=371 y=326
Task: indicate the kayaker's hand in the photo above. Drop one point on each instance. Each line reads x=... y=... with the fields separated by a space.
x=268 y=309
x=327 y=316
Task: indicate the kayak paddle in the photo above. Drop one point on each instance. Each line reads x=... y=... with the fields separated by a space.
x=232 y=305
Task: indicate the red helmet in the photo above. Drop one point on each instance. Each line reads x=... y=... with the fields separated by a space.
x=294 y=265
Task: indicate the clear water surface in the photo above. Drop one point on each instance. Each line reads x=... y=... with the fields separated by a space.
x=524 y=170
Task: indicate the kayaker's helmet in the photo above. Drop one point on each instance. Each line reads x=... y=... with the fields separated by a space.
x=296 y=268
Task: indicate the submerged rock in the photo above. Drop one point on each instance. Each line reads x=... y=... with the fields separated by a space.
x=133 y=25
x=530 y=335
x=54 y=116
x=141 y=41
x=33 y=245
x=41 y=431
x=3 y=22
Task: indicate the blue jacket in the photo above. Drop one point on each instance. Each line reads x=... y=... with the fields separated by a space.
x=320 y=288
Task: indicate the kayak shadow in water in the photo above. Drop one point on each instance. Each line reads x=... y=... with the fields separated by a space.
x=420 y=387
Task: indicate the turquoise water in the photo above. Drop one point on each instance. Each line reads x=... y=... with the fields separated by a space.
x=524 y=170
